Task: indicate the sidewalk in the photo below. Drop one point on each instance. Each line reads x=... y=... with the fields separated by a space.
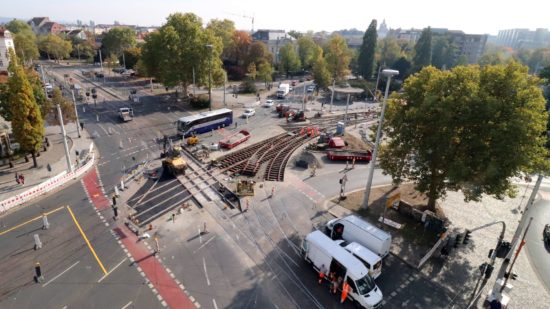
x=54 y=156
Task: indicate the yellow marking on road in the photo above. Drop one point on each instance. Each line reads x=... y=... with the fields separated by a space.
x=87 y=241
x=31 y=220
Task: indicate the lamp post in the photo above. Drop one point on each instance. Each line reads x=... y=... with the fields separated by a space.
x=387 y=73
x=210 y=46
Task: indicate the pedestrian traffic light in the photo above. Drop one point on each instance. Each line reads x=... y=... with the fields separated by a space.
x=458 y=240
x=488 y=271
x=503 y=249
x=467 y=237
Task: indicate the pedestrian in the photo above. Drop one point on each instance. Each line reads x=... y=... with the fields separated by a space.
x=353 y=163
x=236 y=124
x=272 y=191
x=38 y=272
x=247 y=205
x=174 y=218
x=345 y=291
x=322 y=273
x=17 y=177
x=22 y=179
x=204 y=231
x=334 y=285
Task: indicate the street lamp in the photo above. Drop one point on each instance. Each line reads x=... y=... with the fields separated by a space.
x=210 y=46
x=387 y=73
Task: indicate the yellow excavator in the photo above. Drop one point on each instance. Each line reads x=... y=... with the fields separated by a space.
x=245 y=188
x=174 y=162
x=192 y=140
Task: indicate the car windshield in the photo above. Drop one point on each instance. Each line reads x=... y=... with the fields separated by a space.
x=365 y=285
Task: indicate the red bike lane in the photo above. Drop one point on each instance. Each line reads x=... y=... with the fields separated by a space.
x=154 y=271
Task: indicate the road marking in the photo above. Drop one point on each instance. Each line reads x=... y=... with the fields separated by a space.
x=102 y=128
x=126 y=306
x=110 y=271
x=206 y=243
x=205 y=272
x=200 y=235
x=31 y=220
x=87 y=241
x=214 y=303
x=59 y=275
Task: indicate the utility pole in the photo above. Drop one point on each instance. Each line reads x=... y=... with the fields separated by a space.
x=210 y=46
x=64 y=134
x=346 y=113
x=332 y=95
x=76 y=114
x=194 y=86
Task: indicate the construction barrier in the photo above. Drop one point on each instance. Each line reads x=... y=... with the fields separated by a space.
x=46 y=186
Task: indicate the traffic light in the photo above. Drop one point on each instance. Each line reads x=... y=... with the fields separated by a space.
x=512 y=276
x=503 y=249
x=458 y=240
x=467 y=237
x=488 y=271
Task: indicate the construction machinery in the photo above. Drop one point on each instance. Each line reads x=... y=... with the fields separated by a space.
x=192 y=140
x=174 y=162
x=245 y=188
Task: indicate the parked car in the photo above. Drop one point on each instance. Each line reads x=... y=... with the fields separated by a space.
x=249 y=112
x=119 y=70
x=268 y=103
x=99 y=75
x=310 y=88
x=546 y=234
x=129 y=72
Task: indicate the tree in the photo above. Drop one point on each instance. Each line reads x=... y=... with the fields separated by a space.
x=368 y=49
x=443 y=52
x=117 y=40
x=55 y=46
x=545 y=74
x=321 y=74
x=307 y=49
x=67 y=108
x=38 y=91
x=491 y=59
x=241 y=45
x=112 y=61
x=337 y=57
x=423 y=50
x=265 y=72
x=404 y=67
x=131 y=55
x=179 y=47
x=17 y=26
x=468 y=129
x=295 y=34
x=223 y=29
x=25 y=46
x=258 y=53
x=27 y=123
x=251 y=71
x=84 y=49
x=390 y=51
x=289 y=60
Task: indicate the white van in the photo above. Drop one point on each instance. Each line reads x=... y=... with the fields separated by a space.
x=354 y=229
x=371 y=261
x=323 y=253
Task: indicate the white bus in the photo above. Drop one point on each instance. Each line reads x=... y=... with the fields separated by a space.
x=204 y=122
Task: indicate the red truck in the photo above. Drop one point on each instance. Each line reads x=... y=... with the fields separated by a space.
x=235 y=139
x=349 y=155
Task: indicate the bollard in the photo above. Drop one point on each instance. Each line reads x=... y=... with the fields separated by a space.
x=45 y=223
x=110 y=130
x=116 y=191
x=84 y=109
x=120 y=145
x=122 y=184
x=37 y=242
x=97 y=117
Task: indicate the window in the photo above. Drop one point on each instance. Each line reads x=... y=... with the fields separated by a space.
x=353 y=288
x=365 y=285
x=367 y=265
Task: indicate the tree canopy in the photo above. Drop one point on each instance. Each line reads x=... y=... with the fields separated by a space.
x=224 y=29
x=289 y=61
x=307 y=50
x=468 y=129
x=67 y=108
x=27 y=123
x=54 y=46
x=423 y=50
x=17 y=26
x=179 y=47
x=367 y=52
x=117 y=40
x=337 y=57
x=321 y=74
x=25 y=46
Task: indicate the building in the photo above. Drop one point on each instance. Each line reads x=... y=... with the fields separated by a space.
x=383 y=30
x=523 y=38
x=6 y=42
x=75 y=34
x=43 y=25
x=274 y=39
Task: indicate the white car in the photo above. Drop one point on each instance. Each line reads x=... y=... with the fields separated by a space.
x=268 y=103
x=249 y=112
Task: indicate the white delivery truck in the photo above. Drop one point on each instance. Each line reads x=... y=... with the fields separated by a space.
x=370 y=259
x=126 y=113
x=323 y=253
x=283 y=90
x=355 y=229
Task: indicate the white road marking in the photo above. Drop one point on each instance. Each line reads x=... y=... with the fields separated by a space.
x=102 y=128
x=66 y=270
x=200 y=235
x=110 y=271
x=206 y=243
x=126 y=306
x=205 y=272
x=214 y=303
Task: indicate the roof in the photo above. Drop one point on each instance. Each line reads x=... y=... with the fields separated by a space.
x=364 y=225
x=205 y=114
x=38 y=21
x=362 y=252
x=337 y=141
x=353 y=265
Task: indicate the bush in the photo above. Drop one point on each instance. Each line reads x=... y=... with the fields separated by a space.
x=199 y=102
x=248 y=86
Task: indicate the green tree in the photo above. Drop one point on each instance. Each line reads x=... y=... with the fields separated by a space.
x=390 y=51
x=251 y=71
x=491 y=59
x=27 y=123
x=67 y=108
x=112 y=61
x=307 y=49
x=131 y=55
x=443 y=52
x=258 y=53
x=265 y=72
x=179 y=46
x=117 y=40
x=25 y=46
x=423 y=50
x=321 y=73
x=337 y=57
x=288 y=59
x=367 y=52
x=84 y=49
x=55 y=47
x=17 y=26
x=468 y=129
x=545 y=74
x=224 y=29
x=295 y=34
x=38 y=91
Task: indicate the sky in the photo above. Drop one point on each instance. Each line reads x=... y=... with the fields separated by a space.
x=470 y=16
